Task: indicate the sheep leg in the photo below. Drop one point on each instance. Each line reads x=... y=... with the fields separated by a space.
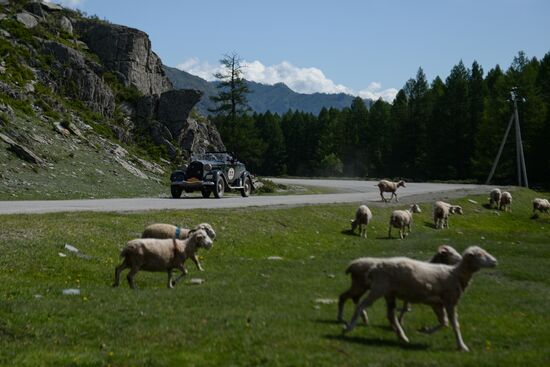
x=390 y=304
x=364 y=313
x=441 y=317
x=354 y=293
x=395 y=194
x=184 y=272
x=367 y=302
x=389 y=231
x=382 y=196
x=401 y=230
x=170 y=285
x=118 y=270
x=195 y=259
x=406 y=308
x=131 y=275
x=453 y=318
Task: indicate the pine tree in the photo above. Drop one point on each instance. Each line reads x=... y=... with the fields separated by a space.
x=231 y=99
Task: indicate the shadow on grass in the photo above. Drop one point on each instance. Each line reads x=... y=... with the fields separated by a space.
x=348 y=232
x=488 y=206
x=328 y=321
x=375 y=342
x=429 y=225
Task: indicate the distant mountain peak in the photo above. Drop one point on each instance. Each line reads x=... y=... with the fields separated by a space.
x=277 y=98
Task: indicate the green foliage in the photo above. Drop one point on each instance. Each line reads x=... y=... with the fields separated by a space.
x=269 y=187
x=449 y=130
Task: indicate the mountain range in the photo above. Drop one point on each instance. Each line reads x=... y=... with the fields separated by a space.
x=277 y=98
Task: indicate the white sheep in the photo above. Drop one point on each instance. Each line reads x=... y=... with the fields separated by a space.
x=403 y=219
x=152 y=254
x=494 y=197
x=161 y=230
x=363 y=216
x=389 y=186
x=442 y=210
x=439 y=286
x=359 y=268
x=542 y=205
x=505 y=201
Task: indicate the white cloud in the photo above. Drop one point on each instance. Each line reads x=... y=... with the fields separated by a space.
x=68 y=3
x=301 y=80
x=374 y=91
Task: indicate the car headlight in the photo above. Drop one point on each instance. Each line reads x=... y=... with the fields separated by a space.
x=207 y=167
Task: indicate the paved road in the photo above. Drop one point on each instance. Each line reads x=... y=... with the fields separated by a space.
x=352 y=191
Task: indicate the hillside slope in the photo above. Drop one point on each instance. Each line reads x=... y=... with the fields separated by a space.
x=86 y=109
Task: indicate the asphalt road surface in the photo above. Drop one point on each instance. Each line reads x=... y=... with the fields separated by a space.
x=351 y=191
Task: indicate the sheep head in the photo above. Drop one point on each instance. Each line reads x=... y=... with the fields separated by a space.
x=415 y=209
x=477 y=258
x=401 y=184
x=448 y=255
x=208 y=229
x=201 y=239
x=456 y=209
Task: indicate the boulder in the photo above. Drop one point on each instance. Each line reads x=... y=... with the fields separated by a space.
x=35 y=8
x=175 y=106
x=21 y=151
x=79 y=79
x=66 y=25
x=199 y=137
x=126 y=51
x=51 y=7
x=27 y=19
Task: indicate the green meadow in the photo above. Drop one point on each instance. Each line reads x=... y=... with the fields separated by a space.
x=251 y=310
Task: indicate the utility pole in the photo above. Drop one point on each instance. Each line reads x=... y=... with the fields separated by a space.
x=520 y=158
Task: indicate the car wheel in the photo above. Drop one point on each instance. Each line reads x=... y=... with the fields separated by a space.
x=219 y=188
x=176 y=192
x=205 y=192
x=247 y=187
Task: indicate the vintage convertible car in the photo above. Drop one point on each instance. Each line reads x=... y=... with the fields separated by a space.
x=212 y=172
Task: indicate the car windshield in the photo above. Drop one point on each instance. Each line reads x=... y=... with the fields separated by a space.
x=221 y=157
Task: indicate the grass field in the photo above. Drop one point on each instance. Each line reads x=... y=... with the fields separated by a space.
x=255 y=311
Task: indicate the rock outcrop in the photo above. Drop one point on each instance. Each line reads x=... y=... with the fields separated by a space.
x=167 y=118
x=127 y=52
x=77 y=78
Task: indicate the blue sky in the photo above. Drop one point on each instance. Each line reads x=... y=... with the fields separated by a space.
x=367 y=48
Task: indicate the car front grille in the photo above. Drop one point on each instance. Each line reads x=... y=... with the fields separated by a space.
x=194 y=170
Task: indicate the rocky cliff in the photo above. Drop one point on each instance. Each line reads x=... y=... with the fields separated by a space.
x=127 y=52
x=80 y=92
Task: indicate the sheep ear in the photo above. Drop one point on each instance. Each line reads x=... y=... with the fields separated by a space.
x=442 y=249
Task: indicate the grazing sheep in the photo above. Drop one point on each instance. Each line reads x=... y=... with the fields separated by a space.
x=389 y=186
x=542 y=205
x=442 y=210
x=359 y=268
x=403 y=218
x=494 y=197
x=152 y=254
x=363 y=216
x=439 y=286
x=505 y=201
x=161 y=230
